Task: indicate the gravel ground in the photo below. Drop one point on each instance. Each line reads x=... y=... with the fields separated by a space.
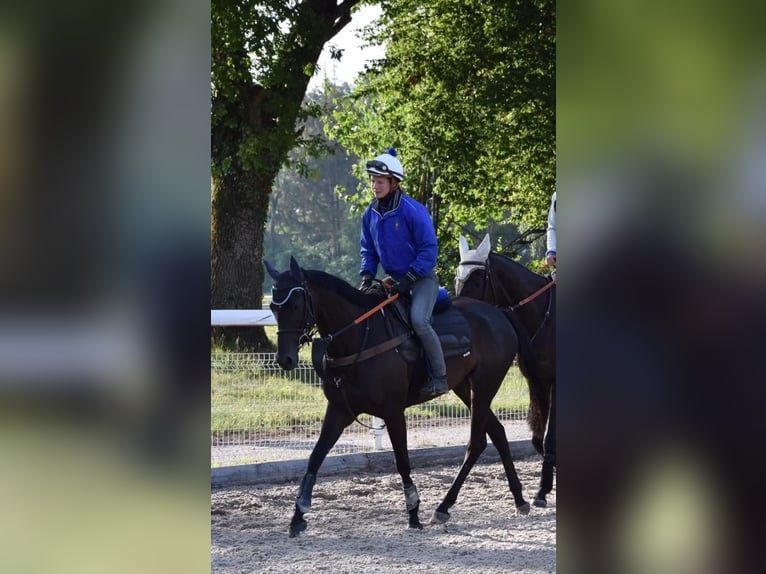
x=358 y=524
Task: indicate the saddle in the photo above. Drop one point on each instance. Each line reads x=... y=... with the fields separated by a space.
x=448 y=322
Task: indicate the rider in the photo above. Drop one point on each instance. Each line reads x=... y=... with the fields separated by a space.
x=550 y=254
x=398 y=233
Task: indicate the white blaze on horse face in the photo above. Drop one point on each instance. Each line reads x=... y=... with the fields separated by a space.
x=481 y=253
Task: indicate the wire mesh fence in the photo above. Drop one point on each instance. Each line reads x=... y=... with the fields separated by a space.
x=261 y=413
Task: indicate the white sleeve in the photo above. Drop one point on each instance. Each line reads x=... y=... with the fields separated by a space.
x=551 y=237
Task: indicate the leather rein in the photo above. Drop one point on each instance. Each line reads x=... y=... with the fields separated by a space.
x=516 y=306
x=309 y=328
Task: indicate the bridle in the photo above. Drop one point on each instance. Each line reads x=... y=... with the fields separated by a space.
x=488 y=283
x=484 y=266
x=309 y=329
x=309 y=321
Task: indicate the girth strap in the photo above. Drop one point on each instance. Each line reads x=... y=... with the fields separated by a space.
x=367 y=353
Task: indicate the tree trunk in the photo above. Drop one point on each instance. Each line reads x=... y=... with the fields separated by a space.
x=253 y=131
x=239 y=214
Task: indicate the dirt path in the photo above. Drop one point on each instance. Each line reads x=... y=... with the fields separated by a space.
x=358 y=525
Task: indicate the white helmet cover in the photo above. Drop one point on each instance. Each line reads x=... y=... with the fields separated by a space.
x=386 y=164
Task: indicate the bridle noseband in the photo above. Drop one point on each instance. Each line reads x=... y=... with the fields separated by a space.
x=309 y=322
x=484 y=266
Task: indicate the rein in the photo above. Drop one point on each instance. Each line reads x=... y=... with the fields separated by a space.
x=364 y=316
x=362 y=355
x=534 y=295
x=516 y=306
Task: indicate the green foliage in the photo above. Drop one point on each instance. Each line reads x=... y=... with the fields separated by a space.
x=308 y=215
x=466 y=94
x=539 y=266
x=263 y=54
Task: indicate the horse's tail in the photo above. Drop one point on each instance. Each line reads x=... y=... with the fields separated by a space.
x=539 y=391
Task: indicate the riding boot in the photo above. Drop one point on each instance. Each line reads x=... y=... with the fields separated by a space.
x=424 y=293
x=436 y=386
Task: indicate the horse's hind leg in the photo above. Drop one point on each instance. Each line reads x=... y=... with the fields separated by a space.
x=549 y=457
x=476 y=445
x=496 y=433
x=334 y=422
x=397 y=432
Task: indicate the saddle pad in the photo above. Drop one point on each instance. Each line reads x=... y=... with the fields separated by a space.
x=453 y=332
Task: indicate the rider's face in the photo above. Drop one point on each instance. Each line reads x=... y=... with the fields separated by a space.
x=381 y=185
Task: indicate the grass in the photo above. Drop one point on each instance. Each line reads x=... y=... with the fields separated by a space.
x=249 y=394
x=262 y=399
x=239 y=402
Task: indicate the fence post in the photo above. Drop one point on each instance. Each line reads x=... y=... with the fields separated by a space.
x=377 y=432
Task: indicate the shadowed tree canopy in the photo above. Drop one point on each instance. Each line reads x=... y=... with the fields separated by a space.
x=263 y=55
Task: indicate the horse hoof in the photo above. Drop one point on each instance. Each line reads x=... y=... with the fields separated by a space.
x=416 y=525
x=540 y=502
x=439 y=517
x=297 y=528
x=523 y=509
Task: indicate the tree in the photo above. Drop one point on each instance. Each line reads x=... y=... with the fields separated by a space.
x=263 y=54
x=466 y=93
x=309 y=217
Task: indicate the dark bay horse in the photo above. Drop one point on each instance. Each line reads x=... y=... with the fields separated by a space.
x=501 y=281
x=375 y=378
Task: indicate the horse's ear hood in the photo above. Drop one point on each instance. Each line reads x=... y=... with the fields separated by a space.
x=295 y=270
x=463 y=245
x=482 y=251
x=270 y=269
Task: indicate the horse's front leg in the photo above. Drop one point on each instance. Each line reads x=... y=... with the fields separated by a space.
x=335 y=420
x=397 y=432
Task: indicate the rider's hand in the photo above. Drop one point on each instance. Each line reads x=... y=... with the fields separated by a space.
x=550 y=260
x=388 y=282
x=366 y=282
x=405 y=284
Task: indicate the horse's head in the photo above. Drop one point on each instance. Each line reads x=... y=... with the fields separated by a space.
x=471 y=275
x=291 y=307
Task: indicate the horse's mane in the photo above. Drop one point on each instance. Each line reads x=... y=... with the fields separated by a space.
x=516 y=263
x=343 y=288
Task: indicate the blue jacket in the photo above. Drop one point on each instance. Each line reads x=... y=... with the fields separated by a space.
x=400 y=240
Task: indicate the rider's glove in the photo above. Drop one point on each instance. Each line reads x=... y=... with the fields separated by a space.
x=366 y=282
x=405 y=284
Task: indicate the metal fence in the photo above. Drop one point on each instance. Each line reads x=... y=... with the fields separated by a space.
x=260 y=413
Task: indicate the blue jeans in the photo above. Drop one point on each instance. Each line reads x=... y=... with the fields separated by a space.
x=424 y=292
